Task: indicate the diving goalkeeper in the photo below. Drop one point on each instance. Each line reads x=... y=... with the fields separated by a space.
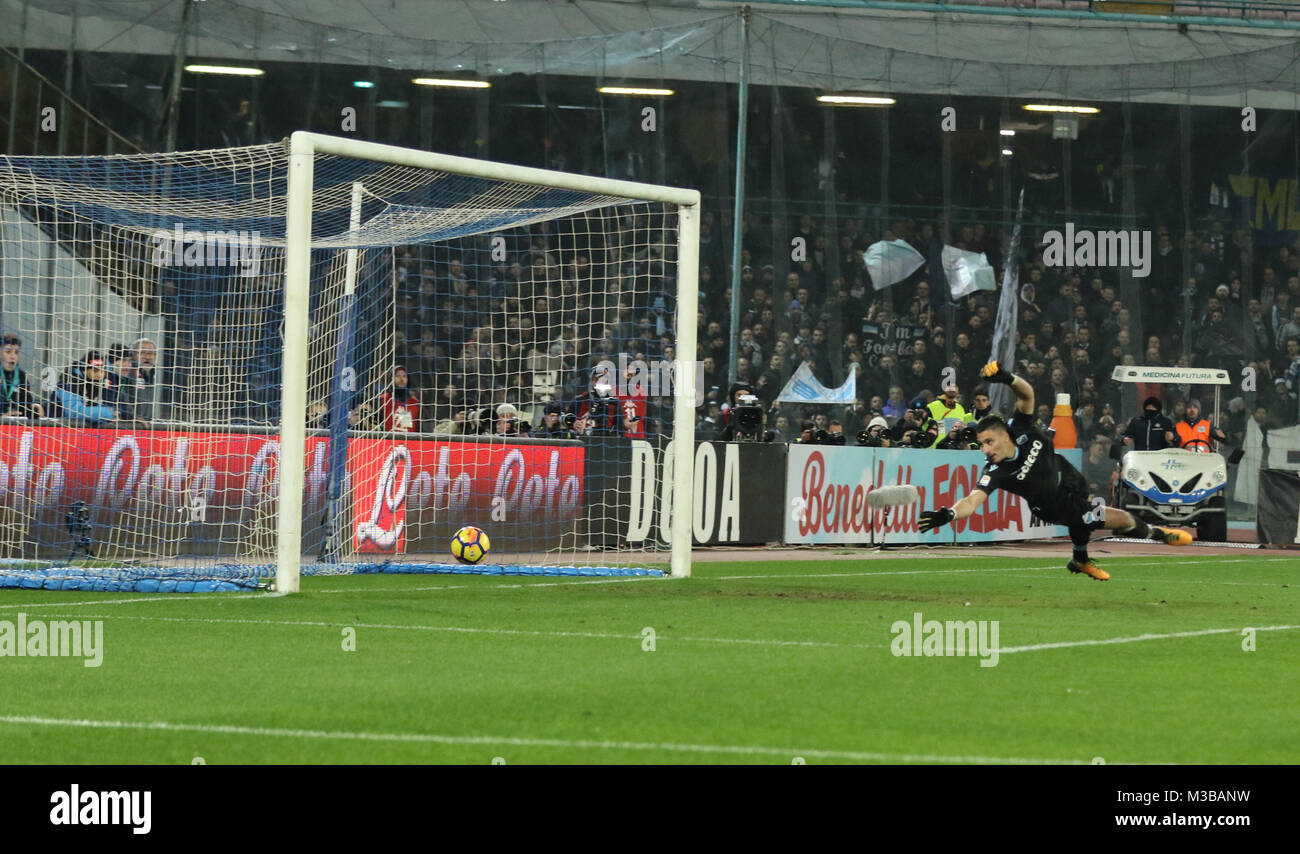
x=1023 y=461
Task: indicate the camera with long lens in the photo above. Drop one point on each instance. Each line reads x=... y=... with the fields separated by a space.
x=917 y=439
x=870 y=439
x=960 y=438
x=747 y=420
x=602 y=412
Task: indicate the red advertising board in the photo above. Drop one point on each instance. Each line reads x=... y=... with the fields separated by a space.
x=205 y=491
x=497 y=486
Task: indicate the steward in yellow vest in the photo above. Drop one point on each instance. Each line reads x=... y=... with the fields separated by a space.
x=948 y=407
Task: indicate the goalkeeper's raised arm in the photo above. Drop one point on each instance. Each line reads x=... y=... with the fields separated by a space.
x=995 y=373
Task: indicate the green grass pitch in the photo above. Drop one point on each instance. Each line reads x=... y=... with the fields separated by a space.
x=747 y=662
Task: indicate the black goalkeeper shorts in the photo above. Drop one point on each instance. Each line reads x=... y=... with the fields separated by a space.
x=1071 y=506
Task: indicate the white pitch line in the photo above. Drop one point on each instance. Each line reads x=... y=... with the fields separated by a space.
x=476 y=630
x=1277 y=584
x=146 y=597
x=664 y=638
x=516 y=741
x=1140 y=638
x=172 y=597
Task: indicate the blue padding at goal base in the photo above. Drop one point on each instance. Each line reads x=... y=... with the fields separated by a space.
x=226 y=579
x=494 y=569
x=216 y=580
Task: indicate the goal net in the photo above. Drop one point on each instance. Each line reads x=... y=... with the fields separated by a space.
x=223 y=369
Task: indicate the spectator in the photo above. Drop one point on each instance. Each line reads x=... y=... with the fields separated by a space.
x=917 y=379
x=982 y=406
x=454 y=425
x=400 y=404
x=1098 y=467
x=318 y=416
x=80 y=393
x=148 y=385
x=361 y=417
x=241 y=128
x=16 y=399
x=1153 y=431
x=1044 y=418
x=896 y=406
x=120 y=385
x=1290 y=329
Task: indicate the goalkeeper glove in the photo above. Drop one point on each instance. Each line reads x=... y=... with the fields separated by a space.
x=995 y=373
x=932 y=519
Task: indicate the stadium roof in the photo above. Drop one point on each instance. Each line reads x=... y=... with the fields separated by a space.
x=996 y=49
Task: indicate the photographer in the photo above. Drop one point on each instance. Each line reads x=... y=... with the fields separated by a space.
x=916 y=429
x=509 y=423
x=597 y=412
x=814 y=435
x=876 y=435
x=556 y=423
x=960 y=438
x=743 y=420
x=742 y=414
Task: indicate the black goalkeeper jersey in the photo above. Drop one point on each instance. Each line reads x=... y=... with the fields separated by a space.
x=1054 y=489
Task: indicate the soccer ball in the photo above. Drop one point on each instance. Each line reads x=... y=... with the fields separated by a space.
x=470 y=545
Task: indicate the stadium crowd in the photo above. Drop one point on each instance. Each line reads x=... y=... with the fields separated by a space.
x=553 y=338
x=528 y=334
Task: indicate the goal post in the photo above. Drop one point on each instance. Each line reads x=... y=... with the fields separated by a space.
x=283 y=418
x=304 y=146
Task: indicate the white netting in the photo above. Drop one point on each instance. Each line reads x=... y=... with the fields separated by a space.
x=441 y=331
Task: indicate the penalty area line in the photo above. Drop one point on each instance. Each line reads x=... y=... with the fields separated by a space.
x=145 y=597
x=475 y=630
x=517 y=741
x=1008 y=650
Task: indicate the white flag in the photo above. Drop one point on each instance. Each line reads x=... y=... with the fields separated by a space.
x=1004 y=330
x=803 y=387
x=967 y=272
x=891 y=262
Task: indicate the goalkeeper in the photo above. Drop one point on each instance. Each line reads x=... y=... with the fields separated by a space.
x=1023 y=461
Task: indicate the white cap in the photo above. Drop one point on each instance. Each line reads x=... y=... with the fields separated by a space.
x=506 y=409
x=1062 y=400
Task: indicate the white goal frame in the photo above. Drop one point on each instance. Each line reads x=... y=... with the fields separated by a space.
x=303 y=146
